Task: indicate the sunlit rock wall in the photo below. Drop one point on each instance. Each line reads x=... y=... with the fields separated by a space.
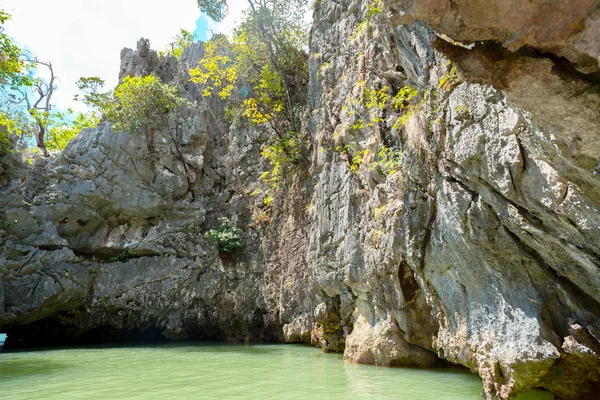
x=482 y=248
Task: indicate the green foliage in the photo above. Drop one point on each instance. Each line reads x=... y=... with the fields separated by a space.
x=357 y=160
x=12 y=65
x=378 y=101
x=388 y=160
x=463 y=110
x=123 y=256
x=375 y=7
x=12 y=74
x=5 y=147
x=93 y=97
x=67 y=128
x=262 y=71
x=216 y=9
x=268 y=201
x=227 y=236
x=449 y=79
x=403 y=97
x=280 y=154
x=360 y=28
x=141 y=101
x=180 y=42
x=215 y=72
x=261 y=76
x=7 y=127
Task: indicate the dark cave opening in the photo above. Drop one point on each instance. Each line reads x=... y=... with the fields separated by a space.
x=31 y=338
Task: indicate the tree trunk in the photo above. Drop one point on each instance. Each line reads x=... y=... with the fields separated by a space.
x=39 y=138
x=150 y=139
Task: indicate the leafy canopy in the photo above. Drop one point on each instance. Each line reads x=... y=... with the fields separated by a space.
x=139 y=100
x=261 y=75
x=67 y=127
x=12 y=65
x=215 y=72
x=216 y=9
x=12 y=73
x=263 y=71
x=93 y=97
x=281 y=153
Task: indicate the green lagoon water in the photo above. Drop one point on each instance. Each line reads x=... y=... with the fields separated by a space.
x=217 y=371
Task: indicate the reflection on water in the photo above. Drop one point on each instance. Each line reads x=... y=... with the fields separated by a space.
x=11 y=369
x=217 y=371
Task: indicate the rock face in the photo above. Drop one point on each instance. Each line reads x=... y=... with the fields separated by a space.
x=106 y=199
x=482 y=246
x=456 y=221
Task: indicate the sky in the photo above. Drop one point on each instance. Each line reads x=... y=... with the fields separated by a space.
x=85 y=37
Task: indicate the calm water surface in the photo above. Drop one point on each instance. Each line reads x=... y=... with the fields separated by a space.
x=217 y=371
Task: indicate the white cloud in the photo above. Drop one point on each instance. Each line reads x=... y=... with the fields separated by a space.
x=234 y=16
x=85 y=37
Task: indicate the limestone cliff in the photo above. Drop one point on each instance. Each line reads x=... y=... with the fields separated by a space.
x=105 y=198
x=482 y=247
x=478 y=245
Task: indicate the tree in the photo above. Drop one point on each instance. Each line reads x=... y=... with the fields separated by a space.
x=36 y=97
x=12 y=68
x=12 y=65
x=215 y=72
x=141 y=101
x=20 y=90
x=262 y=76
x=267 y=54
x=216 y=9
x=93 y=97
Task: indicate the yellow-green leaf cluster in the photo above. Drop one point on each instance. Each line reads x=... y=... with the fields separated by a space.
x=388 y=160
x=12 y=66
x=7 y=127
x=280 y=154
x=93 y=97
x=375 y=7
x=449 y=79
x=403 y=97
x=140 y=100
x=357 y=160
x=377 y=101
x=215 y=72
x=180 y=42
x=61 y=135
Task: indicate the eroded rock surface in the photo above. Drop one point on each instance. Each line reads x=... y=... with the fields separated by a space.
x=482 y=246
x=109 y=234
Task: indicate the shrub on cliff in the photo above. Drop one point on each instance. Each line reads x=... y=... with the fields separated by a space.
x=142 y=104
x=227 y=236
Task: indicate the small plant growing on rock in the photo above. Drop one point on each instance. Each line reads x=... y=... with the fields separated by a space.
x=388 y=160
x=449 y=79
x=260 y=217
x=227 y=236
x=281 y=153
x=122 y=256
